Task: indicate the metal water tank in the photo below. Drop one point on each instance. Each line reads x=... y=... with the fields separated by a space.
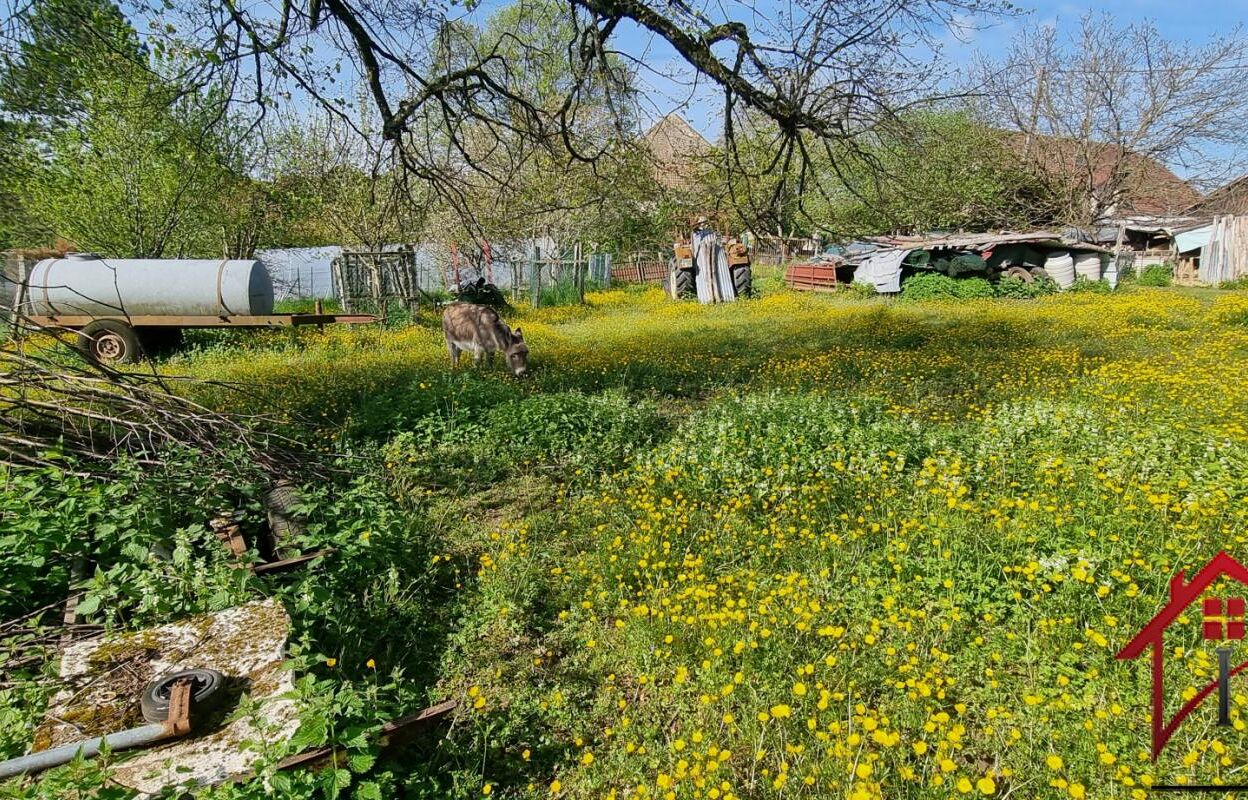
x=87 y=284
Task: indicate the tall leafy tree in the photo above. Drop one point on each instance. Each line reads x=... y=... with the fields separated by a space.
x=123 y=158
x=933 y=170
x=65 y=48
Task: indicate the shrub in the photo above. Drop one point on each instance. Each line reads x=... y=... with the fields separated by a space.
x=1011 y=286
x=1237 y=283
x=862 y=291
x=934 y=286
x=1085 y=285
x=1156 y=275
x=1044 y=285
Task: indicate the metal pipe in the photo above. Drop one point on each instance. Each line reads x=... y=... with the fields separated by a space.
x=54 y=757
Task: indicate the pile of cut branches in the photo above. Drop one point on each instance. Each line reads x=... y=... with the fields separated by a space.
x=56 y=406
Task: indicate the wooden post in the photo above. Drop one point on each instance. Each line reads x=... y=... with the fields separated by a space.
x=77 y=574
x=455 y=264
x=19 y=295
x=1122 y=230
x=535 y=275
x=578 y=273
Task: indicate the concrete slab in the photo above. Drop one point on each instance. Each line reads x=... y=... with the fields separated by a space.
x=103 y=678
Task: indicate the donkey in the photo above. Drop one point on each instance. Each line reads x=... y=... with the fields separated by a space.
x=480 y=331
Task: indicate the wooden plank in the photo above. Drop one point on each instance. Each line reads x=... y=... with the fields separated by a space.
x=393 y=732
x=289 y=563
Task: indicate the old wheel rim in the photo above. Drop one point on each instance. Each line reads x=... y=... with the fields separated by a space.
x=110 y=347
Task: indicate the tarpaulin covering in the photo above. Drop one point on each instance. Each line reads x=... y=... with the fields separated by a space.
x=882 y=270
x=1193 y=239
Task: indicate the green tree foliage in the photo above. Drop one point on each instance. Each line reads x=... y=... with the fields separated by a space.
x=938 y=170
x=51 y=76
x=334 y=186
x=129 y=181
x=553 y=189
x=17 y=161
x=930 y=170
x=114 y=155
x=759 y=186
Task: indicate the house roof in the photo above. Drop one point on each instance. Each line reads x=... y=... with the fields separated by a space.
x=1229 y=199
x=677 y=150
x=1183 y=595
x=1152 y=188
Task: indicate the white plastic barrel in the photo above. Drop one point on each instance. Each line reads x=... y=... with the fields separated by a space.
x=1088 y=265
x=89 y=285
x=1061 y=268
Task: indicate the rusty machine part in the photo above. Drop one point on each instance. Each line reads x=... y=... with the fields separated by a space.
x=166 y=704
x=394 y=732
x=682 y=279
x=280 y=503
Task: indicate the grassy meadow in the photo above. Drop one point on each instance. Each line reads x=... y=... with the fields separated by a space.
x=799 y=546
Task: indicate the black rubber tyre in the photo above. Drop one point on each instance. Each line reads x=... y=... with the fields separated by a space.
x=684 y=283
x=107 y=341
x=1038 y=272
x=743 y=281
x=1022 y=273
x=207 y=689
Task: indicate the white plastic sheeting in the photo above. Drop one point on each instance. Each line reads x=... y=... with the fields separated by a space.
x=882 y=270
x=1194 y=239
x=301 y=272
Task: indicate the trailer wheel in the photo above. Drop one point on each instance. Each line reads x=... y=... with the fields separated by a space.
x=1021 y=273
x=206 y=686
x=108 y=341
x=1039 y=272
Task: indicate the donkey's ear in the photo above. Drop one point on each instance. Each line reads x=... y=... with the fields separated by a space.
x=519 y=336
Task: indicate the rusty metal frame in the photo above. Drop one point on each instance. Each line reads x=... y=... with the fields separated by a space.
x=231 y=535
x=203 y=320
x=229 y=532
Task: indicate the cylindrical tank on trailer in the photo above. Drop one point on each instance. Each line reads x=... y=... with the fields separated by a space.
x=85 y=284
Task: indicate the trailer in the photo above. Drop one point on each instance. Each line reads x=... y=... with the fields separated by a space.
x=122 y=309
x=124 y=340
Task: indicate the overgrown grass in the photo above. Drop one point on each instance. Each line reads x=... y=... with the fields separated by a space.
x=799 y=546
